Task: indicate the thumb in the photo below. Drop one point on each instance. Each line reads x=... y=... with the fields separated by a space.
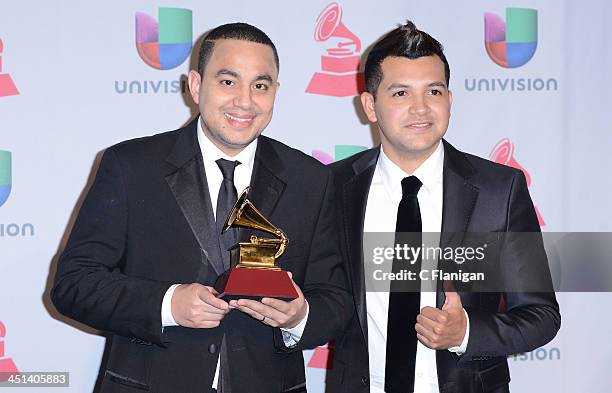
x=213 y=291
x=203 y=292
x=453 y=300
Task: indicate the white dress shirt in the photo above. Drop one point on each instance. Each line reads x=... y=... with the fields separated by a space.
x=214 y=178
x=381 y=215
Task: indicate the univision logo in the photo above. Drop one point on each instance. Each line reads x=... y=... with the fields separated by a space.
x=539 y=354
x=10 y=229
x=164 y=45
x=340 y=152
x=5 y=176
x=512 y=43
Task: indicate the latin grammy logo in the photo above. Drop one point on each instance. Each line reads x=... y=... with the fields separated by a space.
x=7 y=87
x=323 y=356
x=7 y=366
x=339 y=76
x=503 y=153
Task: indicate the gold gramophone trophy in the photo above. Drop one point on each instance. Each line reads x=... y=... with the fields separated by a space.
x=253 y=272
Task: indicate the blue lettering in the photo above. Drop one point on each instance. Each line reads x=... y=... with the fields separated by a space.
x=137 y=84
x=123 y=90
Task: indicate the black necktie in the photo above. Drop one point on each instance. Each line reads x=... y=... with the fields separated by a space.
x=225 y=201
x=404 y=297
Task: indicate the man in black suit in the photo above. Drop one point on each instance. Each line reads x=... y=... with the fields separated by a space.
x=444 y=340
x=147 y=247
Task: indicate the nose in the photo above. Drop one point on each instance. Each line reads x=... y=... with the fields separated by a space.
x=419 y=106
x=244 y=98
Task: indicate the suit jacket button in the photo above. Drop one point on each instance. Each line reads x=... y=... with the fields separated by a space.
x=212 y=348
x=364 y=381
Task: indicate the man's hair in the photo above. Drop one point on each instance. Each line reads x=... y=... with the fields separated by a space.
x=404 y=41
x=232 y=31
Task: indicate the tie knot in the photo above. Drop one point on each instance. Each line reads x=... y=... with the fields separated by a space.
x=227 y=168
x=410 y=186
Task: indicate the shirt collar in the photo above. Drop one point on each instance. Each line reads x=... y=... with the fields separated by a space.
x=429 y=172
x=212 y=153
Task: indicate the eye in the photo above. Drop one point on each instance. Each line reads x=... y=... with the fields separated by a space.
x=401 y=93
x=261 y=86
x=227 y=82
x=436 y=92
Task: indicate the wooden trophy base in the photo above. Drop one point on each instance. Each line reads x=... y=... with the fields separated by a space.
x=252 y=283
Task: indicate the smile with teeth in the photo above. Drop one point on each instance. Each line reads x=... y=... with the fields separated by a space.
x=240 y=120
x=420 y=125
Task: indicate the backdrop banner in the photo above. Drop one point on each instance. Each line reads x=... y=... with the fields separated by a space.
x=530 y=82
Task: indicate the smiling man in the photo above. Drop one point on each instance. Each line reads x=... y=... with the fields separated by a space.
x=147 y=246
x=407 y=340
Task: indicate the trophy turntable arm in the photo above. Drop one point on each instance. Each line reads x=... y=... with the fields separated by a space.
x=283 y=241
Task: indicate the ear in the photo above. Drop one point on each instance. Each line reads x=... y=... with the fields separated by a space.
x=367 y=102
x=195 y=81
x=450 y=103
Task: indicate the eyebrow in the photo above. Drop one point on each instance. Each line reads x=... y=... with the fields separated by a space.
x=437 y=84
x=394 y=86
x=262 y=77
x=225 y=71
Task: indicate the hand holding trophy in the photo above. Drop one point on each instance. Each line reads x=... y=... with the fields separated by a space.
x=254 y=273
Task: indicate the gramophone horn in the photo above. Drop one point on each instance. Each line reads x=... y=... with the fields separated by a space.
x=245 y=214
x=503 y=153
x=234 y=212
x=329 y=24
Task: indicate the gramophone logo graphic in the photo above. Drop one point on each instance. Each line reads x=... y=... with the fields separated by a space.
x=503 y=153
x=164 y=45
x=339 y=75
x=7 y=87
x=323 y=356
x=7 y=366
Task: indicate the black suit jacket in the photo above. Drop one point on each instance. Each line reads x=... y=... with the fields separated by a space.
x=478 y=196
x=147 y=223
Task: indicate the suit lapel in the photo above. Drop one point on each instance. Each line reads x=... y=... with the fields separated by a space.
x=266 y=186
x=190 y=188
x=354 y=199
x=458 y=201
